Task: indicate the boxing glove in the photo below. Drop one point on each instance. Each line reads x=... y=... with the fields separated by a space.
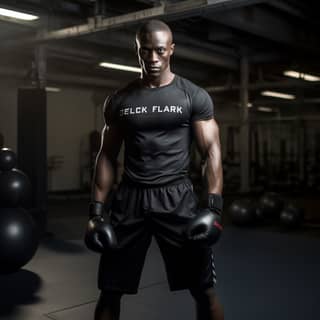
x=99 y=235
x=205 y=229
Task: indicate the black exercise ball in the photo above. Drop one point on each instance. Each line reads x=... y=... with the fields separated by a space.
x=242 y=212
x=15 y=188
x=18 y=239
x=270 y=205
x=8 y=159
x=291 y=216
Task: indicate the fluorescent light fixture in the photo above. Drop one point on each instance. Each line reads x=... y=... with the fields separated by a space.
x=53 y=89
x=119 y=67
x=299 y=75
x=17 y=15
x=265 y=109
x=278 y=95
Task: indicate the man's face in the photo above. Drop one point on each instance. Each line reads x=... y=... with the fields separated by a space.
x=154 y=50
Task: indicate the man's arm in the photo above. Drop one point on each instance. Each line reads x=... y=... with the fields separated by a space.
x=208 y=142
x=105 y=166
x=206 y=227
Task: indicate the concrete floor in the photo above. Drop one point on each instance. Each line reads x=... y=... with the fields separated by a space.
x=262 y=274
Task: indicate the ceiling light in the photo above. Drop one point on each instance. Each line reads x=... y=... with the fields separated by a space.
x=17 y=15
x=278 y=95
x=119 y=67
x=53 y=89
x=299 y=75
x=265 y=109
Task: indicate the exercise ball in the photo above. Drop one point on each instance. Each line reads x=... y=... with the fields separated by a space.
x=18 y=239
x=242 y=212
x=8 y=159
x=270 y=205
x=15 y=188
x=291 y=216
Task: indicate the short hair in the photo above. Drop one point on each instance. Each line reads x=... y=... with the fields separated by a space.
x=152 y=26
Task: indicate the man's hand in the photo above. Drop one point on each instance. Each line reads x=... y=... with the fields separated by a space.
x=205 y=229
x=99 y=235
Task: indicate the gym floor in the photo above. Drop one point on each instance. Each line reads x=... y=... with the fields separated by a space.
x=263 y=273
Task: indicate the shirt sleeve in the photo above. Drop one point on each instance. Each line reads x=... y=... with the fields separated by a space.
x=109 y=111
x=202 y=106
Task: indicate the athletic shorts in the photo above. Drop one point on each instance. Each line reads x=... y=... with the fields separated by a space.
x=139 y=213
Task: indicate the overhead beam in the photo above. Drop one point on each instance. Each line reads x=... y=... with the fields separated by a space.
x=260 y=22
x=179 y=10
x=288 y=8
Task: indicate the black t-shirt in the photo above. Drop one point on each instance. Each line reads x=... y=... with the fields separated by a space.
x=157 y=127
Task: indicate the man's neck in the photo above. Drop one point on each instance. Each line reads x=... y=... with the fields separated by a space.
x=160 y=81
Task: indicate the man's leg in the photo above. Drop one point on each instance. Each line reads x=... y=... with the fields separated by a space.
x=108 y=306
x=207 y=305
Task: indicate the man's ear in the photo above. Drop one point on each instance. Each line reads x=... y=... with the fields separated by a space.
x=172 y=46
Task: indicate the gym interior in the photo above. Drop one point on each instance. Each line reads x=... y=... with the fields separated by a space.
x=259 y=62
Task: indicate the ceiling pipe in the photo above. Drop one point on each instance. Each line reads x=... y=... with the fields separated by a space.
x=165 y=10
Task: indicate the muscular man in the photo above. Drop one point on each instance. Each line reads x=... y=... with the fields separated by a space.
x=156 y=117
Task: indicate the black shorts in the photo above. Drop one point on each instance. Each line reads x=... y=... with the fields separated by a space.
x=137 y=214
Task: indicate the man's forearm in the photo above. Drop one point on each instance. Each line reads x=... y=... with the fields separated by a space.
x=214 y=173
x=103 y=178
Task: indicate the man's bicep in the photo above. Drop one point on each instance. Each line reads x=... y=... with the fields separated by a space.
x=206 y=134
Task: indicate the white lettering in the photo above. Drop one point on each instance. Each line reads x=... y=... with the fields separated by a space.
x=166 y=109
x=144 y=109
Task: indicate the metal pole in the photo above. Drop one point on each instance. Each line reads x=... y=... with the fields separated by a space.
x=244 y=127
x=41 y=66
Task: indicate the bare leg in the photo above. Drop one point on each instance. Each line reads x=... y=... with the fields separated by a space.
x=207 y=305
x=108 y=306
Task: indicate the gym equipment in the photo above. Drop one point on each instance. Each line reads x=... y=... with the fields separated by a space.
x=291 y=216
x=242 y=212
x=15 y=188
x=18 y=239
x=270 y=205
x=8 y=159
x=32 y=142
x=205 y=229
x=99 y=235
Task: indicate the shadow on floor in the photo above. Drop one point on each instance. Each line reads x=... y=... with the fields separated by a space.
x=19 y=288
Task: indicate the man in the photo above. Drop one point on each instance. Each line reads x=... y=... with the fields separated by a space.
x=156 y=117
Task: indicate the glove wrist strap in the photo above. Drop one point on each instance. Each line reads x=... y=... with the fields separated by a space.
x=215 y=202
x=96 y=209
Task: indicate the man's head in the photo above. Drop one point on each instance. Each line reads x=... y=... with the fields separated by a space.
x=154 y=48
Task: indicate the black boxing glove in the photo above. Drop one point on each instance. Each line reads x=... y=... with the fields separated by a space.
x=205 y=229
x=99 y=235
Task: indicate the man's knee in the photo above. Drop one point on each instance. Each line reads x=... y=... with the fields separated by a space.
x=203 y=296
x=109 y=298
